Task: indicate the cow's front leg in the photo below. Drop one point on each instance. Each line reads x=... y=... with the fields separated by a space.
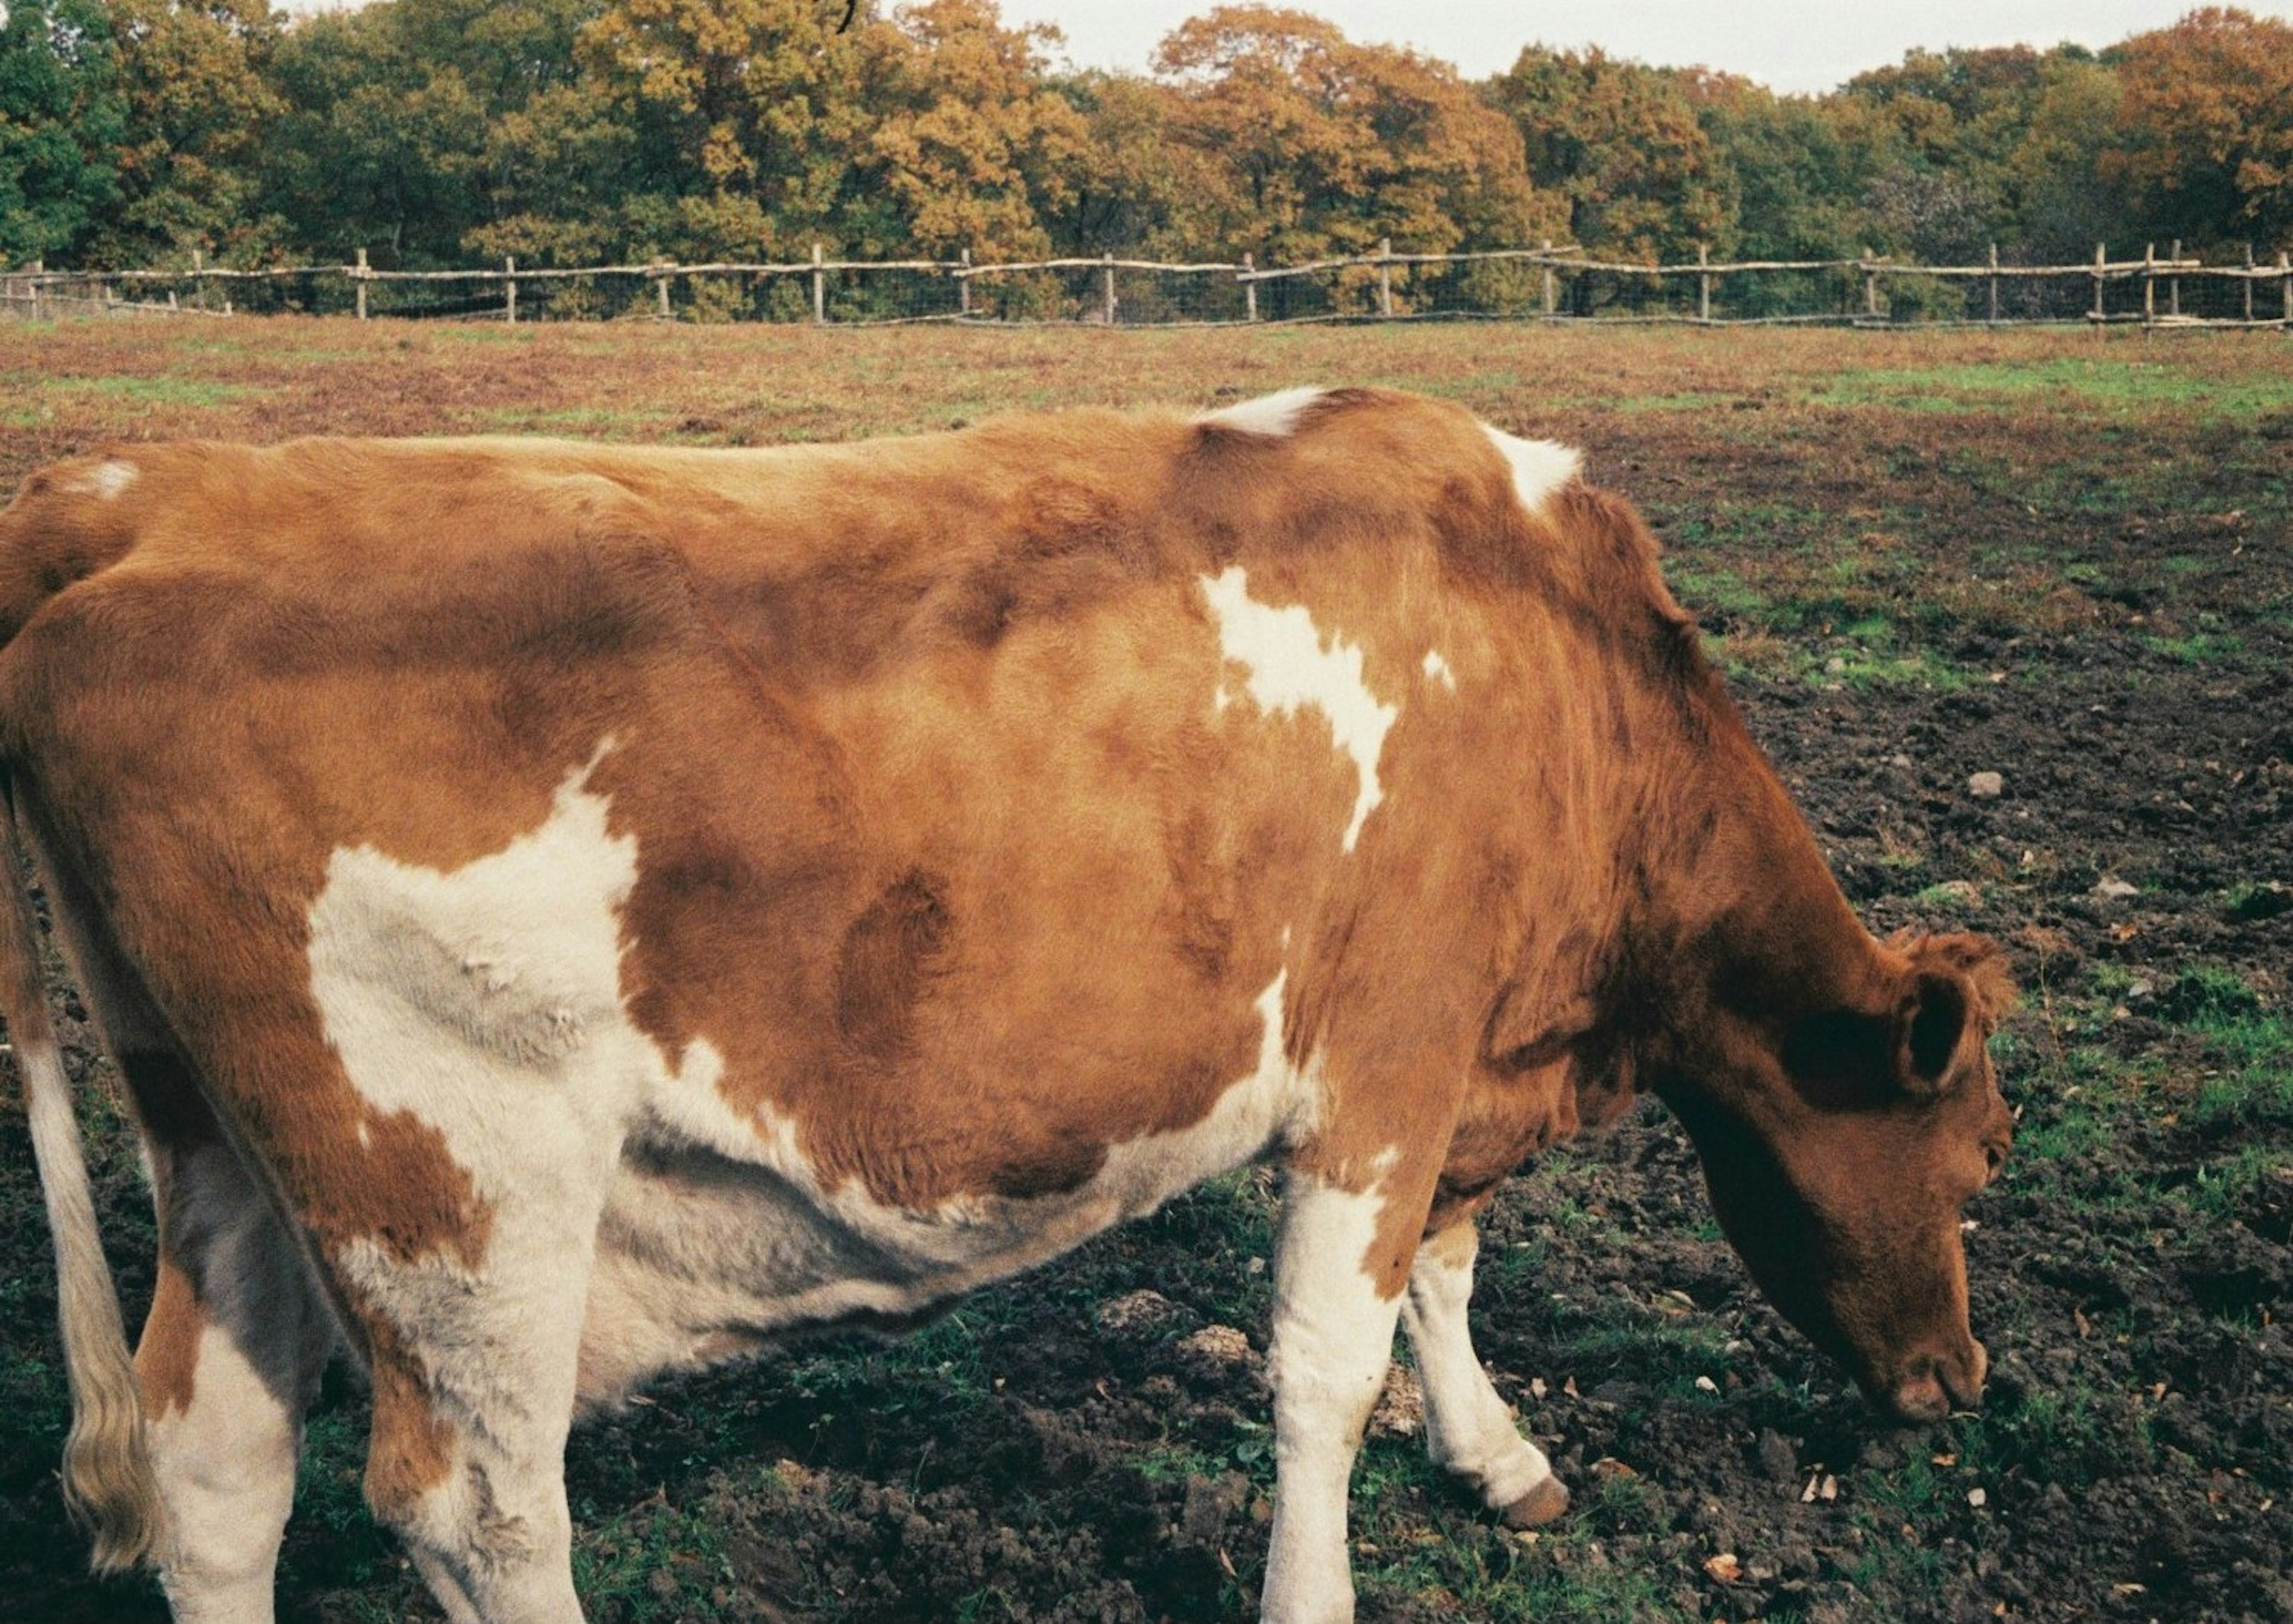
x=1337 y=1292
x=1469 y=1429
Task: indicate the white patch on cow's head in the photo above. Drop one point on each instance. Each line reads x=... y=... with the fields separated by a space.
x=1539 y=466
x=1437 y=669
x=1291 y=666
x=1275 y=416
x=106 y=480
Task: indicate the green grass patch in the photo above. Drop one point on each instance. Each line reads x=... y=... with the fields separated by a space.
x=2118 y=386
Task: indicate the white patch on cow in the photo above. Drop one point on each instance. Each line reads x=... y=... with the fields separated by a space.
x=1332 y=1340
x=1437 y=669
x=1539 y=466
x=106 y=480
x=1275 y=416
x=1292 y=665
x=486 y=1003
x=1469 y=1429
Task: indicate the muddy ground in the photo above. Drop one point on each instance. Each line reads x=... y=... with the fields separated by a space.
x=1920 y=559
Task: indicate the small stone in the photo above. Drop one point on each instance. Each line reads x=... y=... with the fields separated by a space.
x=2109 y=888
x=1137 y=1311
x=1216 y=1349
x=1400 y=1411
x=1778 y=1459
x=1986 y=785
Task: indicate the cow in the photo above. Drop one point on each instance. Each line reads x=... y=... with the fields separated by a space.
x=563 y=913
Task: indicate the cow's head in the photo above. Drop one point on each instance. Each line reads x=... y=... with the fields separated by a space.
x=1840 y=1145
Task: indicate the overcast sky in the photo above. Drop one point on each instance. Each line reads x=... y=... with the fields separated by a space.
x=1786 y=44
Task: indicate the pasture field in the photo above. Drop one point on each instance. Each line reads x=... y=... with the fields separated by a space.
x=2063 y=557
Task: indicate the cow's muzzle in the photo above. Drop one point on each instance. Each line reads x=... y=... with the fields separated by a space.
x=1933 y=1385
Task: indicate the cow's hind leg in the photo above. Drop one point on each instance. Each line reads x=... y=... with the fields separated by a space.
x=473 y=1373
x=1469 y=1429
x=229 y=1360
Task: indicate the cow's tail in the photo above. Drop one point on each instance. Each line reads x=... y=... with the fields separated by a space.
x=108 y=1481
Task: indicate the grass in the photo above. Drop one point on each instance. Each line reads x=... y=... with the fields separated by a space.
x=2108 y=384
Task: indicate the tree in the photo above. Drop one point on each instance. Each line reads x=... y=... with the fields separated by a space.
x=746 y=114
x=969 y=149
x=62 y=116
x=2207 y=117
x=1312 y=146
x=193 y=76
x=1623 y=143
x=377 y=148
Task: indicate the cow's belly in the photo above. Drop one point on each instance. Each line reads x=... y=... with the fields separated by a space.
x=705 y=1250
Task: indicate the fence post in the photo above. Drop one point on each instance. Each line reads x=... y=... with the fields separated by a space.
x=509 y=265
x=199 y=278
x=1870 y=287
x=2248 y=282
x=819 y=288
x=2284 y=288
x=1551 y=282
x=2149 y=284
x=661 y=286
x=1704 y=283
x=1107 y=287
x=2099 y=260
x=1250 y=286
x=358 y=283
x=963 y=286
x=1994 y=284
x=39 y=269
x=2174 y=284
x=1385 y=277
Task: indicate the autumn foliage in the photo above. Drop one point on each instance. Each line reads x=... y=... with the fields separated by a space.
x=441 y=131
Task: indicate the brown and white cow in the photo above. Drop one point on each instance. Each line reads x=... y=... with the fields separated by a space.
x=564 y=914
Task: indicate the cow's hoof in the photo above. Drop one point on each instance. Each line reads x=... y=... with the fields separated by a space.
x=1540 y=1505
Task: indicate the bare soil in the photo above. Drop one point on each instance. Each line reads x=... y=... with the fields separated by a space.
x=2081 y=581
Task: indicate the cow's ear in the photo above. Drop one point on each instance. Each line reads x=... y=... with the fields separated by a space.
x=1931 y=1025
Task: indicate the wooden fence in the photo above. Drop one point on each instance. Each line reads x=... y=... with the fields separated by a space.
x=1544 y=284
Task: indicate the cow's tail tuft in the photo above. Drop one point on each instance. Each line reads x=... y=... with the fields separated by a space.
x=108 y=1482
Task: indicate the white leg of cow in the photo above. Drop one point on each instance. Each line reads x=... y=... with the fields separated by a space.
x=1469 y=1429
x=473 y=1400
x=229 y=1360
x=1332 y=1340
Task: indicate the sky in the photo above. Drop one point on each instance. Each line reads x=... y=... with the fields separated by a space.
x=1796 y=46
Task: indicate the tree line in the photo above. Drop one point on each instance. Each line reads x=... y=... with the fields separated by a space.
x=434 y=133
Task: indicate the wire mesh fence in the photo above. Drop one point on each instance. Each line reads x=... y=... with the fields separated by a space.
x=1544 y=284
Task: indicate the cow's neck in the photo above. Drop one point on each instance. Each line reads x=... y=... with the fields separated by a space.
x=1733 y=909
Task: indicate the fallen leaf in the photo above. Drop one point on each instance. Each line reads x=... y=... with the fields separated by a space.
x=1946 y=1460
x=1608 y=1465
x=1977 y=1498
x=1724 y=1568
x=1536 y=1388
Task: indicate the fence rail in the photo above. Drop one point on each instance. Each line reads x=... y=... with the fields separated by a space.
x=1547 y=283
